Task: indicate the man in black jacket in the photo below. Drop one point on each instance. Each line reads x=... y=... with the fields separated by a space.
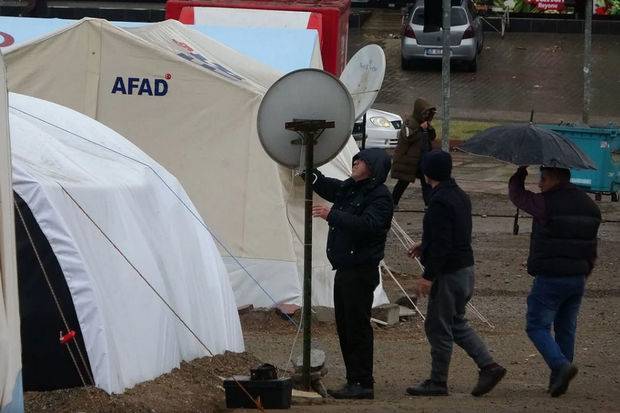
x=562 y=254
x=448 y=259
x=359 y=221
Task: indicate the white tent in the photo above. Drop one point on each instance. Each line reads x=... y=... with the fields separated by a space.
x=130 y=244
x=191 y=104
x=11 y=399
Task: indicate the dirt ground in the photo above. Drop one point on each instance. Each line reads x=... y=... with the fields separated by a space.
x=401 y=352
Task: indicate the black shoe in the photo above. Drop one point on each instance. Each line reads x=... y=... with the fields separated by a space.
x=488 y=379
x=564 y=377
x=552 y=378
x=352 y=391
x=428 y=388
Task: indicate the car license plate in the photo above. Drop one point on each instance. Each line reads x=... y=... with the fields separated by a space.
x=435 y=52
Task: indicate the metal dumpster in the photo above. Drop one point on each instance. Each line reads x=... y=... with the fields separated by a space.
x=602 y=145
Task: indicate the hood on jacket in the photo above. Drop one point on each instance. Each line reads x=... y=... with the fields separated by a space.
x=378 y=161
x=419 y=106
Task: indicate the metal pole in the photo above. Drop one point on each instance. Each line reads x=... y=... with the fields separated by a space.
x=364 y=132
x=445 y=76
x=587 y=63
x=309 y=142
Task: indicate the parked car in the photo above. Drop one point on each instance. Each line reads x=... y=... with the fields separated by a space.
x=382 y=129
x=466 y=37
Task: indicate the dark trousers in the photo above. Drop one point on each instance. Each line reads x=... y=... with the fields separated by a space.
x=554 y=300
x=401 y=185
x=446 y=323
x=353 y=296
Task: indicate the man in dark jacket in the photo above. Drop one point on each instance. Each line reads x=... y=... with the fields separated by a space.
x=448 y=259
x=562 y=254
x=414 y=141
x=359 y=221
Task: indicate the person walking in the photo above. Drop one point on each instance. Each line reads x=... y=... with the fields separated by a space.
x=414 y=140
x=359 y=221
x=563 y=250
x=447 y=256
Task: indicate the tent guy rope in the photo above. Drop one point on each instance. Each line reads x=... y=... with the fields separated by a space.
x=66 y=342
x=407 y=242
x=257 y=402
x=194 y=215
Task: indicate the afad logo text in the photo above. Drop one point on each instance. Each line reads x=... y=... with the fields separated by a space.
x=141 y=86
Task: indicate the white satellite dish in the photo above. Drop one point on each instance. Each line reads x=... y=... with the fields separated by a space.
x=363 y=77
x=306 y=94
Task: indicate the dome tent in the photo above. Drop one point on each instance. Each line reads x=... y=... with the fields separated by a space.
x=125 y=238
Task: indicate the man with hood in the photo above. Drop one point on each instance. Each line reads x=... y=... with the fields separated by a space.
x=415 y=140
x=448 y=279
x=359 y=221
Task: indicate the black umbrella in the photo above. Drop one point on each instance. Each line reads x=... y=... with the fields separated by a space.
x=526 y=144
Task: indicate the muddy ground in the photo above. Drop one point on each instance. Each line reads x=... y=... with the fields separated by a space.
x=401 y=351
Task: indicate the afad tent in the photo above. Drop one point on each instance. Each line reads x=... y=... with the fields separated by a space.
x=191 y=104
x=110 y=247
x=11 y=399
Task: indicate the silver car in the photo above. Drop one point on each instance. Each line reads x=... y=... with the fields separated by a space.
x=466 y=36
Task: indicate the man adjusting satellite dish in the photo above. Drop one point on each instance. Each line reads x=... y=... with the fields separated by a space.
x=304 y=120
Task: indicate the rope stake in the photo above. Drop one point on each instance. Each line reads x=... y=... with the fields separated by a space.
x=67 y=338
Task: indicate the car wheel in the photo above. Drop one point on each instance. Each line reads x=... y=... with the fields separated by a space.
x=614 y=197
x=472 y=65
x=406 y=64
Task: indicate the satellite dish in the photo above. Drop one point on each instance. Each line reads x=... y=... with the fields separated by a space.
x=363 y=77
x=306 y=94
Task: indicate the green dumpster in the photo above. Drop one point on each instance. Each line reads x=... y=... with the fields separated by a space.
x=602 y=145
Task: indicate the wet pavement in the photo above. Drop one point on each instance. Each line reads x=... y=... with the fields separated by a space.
x=522 y=72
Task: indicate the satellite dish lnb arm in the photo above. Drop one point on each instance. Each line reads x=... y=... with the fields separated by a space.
x=325 y=187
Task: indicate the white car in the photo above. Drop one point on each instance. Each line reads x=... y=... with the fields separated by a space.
x=382 y=129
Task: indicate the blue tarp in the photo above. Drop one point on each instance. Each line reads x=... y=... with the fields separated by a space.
x=283 y=49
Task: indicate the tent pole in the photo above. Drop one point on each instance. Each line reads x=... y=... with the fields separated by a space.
x=307 y=316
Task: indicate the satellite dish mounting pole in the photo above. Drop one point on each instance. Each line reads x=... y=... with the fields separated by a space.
x=310 y=130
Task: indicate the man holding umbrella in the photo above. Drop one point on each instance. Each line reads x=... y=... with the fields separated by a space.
x=562 y=254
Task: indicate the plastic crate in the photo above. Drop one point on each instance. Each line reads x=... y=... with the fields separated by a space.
x=274 y=394
x=602 y=145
